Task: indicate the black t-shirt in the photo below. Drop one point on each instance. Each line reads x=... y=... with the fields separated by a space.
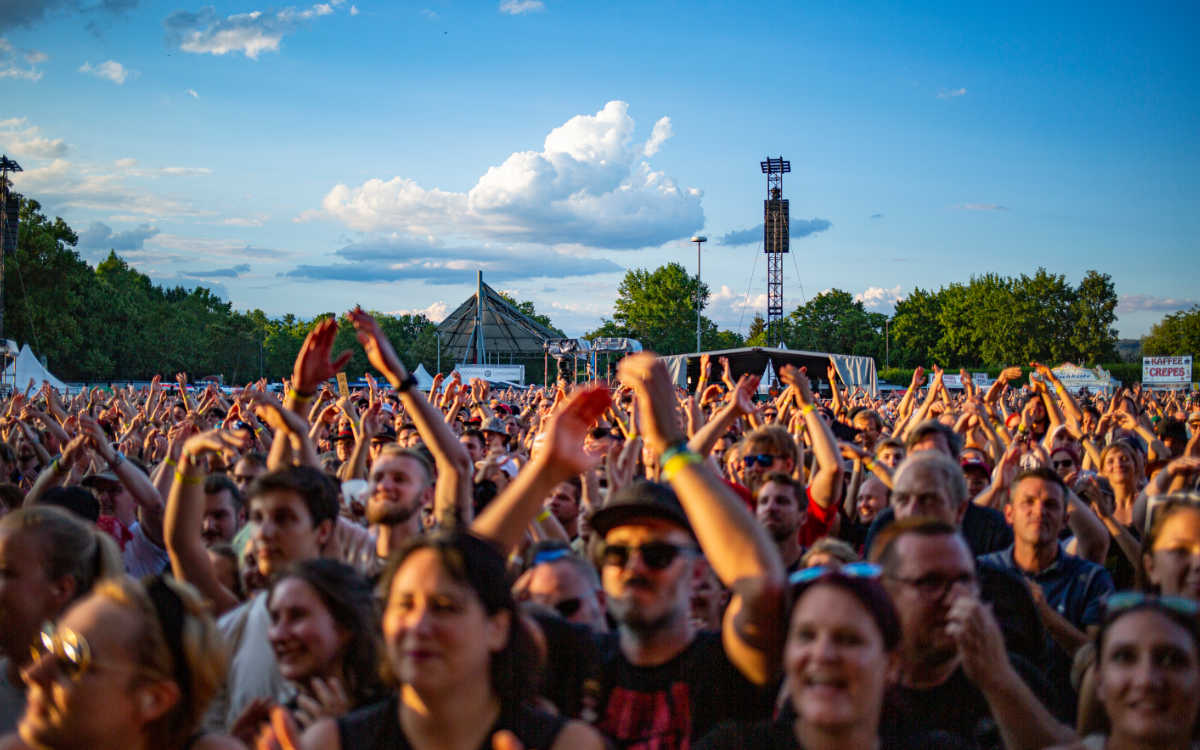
x=780 y=734
x=953 y=711
x=377 y=727
x=669 y=706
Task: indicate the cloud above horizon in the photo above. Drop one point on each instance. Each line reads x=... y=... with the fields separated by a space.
x=206 y=33
x=797 y=228
x=20 y=63
x=878 y=298
x=1151 y=303
x=109 y=70
x=27 y=13
x=951 y=93
x=518 y=7
x=590 y=185
x=100 y=236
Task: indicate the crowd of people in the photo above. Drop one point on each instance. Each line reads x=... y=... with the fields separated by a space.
x=622 y=564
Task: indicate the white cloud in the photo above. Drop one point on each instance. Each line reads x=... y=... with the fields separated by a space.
x=517 y=7
x=354 y=10
x=430 y=14
x=658 y=136
x=11 y=60
x=1151 y=303
x=185 y=171
x=436 y=312
x=100 y=236
x=20 y=139
x=588 y=186
x=730 y=309
x=878 y=298
x=951 y=93
x=192 y=93
x=244 y=221
x=110 y=70
x=251 y=33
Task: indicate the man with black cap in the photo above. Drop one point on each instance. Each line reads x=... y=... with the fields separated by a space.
x=660 y=683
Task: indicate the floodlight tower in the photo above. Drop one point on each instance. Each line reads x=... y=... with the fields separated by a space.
x=10 y=204
x=775 y=243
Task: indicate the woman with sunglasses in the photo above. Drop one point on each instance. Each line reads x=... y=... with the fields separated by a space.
x=1147 y=674
x=461 y=660
x=48 y=559
x=840 y=653
x=131 y=666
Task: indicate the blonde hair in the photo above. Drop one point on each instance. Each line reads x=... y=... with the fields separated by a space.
x=201 y=644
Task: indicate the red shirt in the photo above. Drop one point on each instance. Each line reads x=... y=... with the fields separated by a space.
x=818 y=521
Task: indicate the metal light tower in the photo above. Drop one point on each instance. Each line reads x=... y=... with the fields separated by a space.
x=776 y=242
x=699 y=240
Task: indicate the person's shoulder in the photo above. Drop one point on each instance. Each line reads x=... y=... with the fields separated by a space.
x=216 y=742
x=231 y=623
x=999 y=561
x=577 y=734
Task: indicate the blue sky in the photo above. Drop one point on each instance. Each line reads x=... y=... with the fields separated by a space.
x=304 y=158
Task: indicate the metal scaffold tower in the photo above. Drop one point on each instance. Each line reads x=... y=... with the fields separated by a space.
x=776 y=242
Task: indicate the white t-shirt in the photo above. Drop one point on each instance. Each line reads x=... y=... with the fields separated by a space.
x=253 y=672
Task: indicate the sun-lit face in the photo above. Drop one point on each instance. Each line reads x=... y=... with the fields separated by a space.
x=437 y=633
x=835 y=660
x=307 y=641
x=640 y=595
x=104 y=705
x=397 y=487
x=284 y=531
x=1174 y=562
x=1148 y=678
x=1117 y=466
x=1037 y=511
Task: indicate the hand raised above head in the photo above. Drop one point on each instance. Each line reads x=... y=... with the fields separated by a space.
x=313 y=365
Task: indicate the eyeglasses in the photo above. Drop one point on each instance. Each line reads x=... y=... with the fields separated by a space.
x=935 y=586
x=656 y=555
x=568 y=607
x=1124 y=601
x=850 y=570
x=1064 y=464
x=762 y=459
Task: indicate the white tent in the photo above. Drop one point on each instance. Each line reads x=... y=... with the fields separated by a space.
x=424 y=379
x=26 y=367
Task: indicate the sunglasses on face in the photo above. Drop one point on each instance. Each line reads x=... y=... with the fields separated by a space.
x=568 y=607
x=656 y=555
x=1064 y=464
x=70 y=651
x=762 y=459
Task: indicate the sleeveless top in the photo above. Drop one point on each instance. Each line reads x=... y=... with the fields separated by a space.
x=377 y=727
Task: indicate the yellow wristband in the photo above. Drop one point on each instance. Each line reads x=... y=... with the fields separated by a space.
x=543 y=515
x=170 y=461
x=185 y=479
x=807 y=409
x=677 y=462
x=868 y=464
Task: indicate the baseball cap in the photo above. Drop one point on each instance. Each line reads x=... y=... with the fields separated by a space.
x=641 y=499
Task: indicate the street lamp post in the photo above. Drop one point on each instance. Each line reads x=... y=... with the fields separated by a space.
x=699 y=240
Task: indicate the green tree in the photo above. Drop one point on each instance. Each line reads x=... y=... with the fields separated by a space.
x=526 y=308
x=1177 y=334
x=834 y=321
x=757 y=334
x=658 y=308
x=1094 y=338
x=915 y=328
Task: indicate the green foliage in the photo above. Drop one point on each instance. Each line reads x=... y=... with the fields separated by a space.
x=834 y=321
x=658 y=308
x=1177 y=334
x=113 y=323
x=995 y=320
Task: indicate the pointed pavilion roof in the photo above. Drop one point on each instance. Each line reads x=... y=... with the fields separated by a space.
x=487 y=324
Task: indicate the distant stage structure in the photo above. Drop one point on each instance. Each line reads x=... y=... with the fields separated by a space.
x=776 y=242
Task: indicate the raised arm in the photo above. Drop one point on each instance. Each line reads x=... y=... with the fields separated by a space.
x=826 y=483
x=185 y=518
x=452 y=492
x=741 y=403
x=736 y=546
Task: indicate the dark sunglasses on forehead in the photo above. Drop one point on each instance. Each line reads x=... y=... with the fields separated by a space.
x=656 y=555
x=762 y=459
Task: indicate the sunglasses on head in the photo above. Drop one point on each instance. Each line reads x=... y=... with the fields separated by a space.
x=850 y=570
x=1124 y=601
x=762 y=459
x=656 y=555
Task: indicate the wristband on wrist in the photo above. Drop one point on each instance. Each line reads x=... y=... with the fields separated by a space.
x=170 y=461
x=185 y=479
x=868 y=464
x=807 y=409
x=543 y=515
x=677 y=462
x=673 y=450
x=408 y=383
